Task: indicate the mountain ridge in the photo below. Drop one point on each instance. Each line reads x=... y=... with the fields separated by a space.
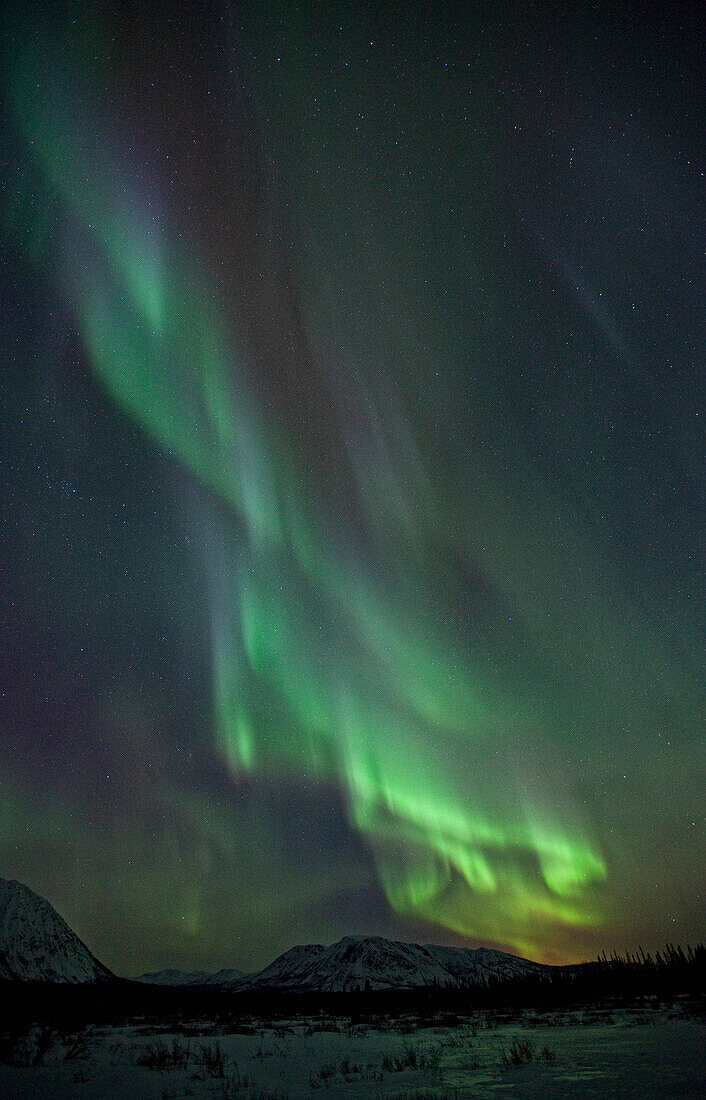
x=357 y=962
x=172 y=976
x=377 y=963
x=36 y=943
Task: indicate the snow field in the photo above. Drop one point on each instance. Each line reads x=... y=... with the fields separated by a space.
x=637 y=1054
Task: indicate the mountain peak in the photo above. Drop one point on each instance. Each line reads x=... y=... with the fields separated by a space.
x=360 y=961
x=36 y=944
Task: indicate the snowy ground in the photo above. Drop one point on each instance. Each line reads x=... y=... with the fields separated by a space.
x=626 y=1053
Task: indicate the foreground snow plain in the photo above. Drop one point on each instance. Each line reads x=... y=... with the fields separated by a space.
x=656 y=1052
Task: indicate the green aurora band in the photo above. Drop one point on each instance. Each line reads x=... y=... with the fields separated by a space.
x=334 y=656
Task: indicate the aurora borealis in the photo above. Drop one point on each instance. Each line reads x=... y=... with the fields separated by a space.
x=353 y=494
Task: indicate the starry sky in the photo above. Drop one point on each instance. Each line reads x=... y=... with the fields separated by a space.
x=352 y=455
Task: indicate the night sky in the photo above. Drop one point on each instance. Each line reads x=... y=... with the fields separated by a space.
x=352 y=472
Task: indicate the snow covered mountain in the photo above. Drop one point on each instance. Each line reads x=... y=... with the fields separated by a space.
x=174 y=977
x=36 y=944
x=356 y=961
x=222 y=978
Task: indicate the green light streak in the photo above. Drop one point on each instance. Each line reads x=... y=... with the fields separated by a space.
x=339 y=666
